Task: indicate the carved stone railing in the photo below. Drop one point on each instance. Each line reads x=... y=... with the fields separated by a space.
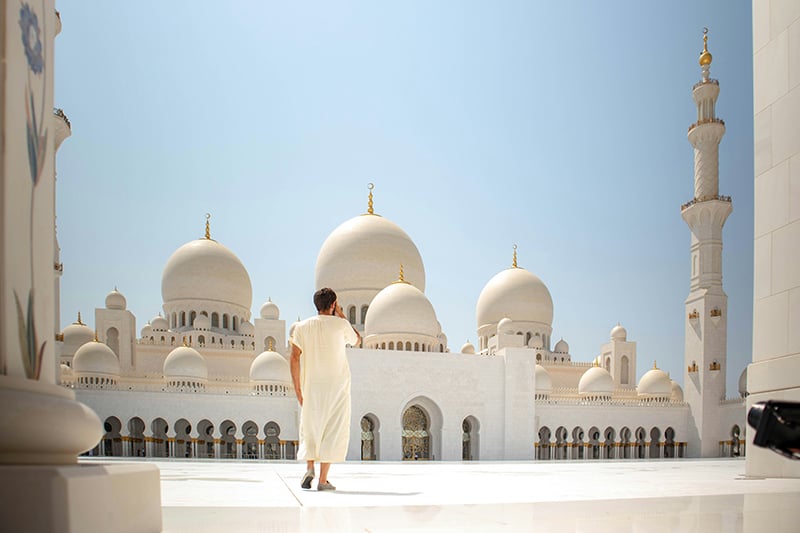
x=719 y=197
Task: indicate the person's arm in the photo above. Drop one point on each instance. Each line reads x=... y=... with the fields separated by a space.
x=338 y=311
x=294 y=364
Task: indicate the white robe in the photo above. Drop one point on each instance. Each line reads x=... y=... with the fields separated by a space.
x=325 y=385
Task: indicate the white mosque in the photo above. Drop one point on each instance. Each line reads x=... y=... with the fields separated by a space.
x=205 y=379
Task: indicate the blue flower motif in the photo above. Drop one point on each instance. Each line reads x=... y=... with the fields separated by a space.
x=31 y=38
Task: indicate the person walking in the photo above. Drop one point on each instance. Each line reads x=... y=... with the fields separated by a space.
x=321 y=377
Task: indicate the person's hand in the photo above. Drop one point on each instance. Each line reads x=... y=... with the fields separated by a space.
x=299 y=396
x=338 y=311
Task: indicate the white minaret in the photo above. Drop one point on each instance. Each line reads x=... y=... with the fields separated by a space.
x=707 y=304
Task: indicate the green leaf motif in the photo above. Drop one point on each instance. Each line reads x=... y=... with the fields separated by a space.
x=32 y=354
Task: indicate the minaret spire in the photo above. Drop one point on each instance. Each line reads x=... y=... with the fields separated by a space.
x=705 y=314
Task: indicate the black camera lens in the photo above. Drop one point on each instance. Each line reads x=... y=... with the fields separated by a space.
x=754 y=415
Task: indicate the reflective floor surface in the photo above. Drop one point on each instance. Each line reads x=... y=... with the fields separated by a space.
x=704 y=495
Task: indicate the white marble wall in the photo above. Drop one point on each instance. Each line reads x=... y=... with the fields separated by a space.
x=775 y=372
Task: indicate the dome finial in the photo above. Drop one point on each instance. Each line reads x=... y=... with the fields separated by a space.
x=79 y=319
x=654 y=365
x=402 y=278
x=96 y=339
x=705 y=56
x=370 y=209
x=514 y=261
x=270 y=347
x=208 y=226
x=184 y=341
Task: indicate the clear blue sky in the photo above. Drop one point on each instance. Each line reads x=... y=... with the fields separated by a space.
x=558 y=126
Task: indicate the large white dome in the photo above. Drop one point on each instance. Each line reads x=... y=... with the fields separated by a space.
x=95 y=358
x=517 y=294
x=401 y=308
x=366 y=252
x=206 y=270
x=76 y=335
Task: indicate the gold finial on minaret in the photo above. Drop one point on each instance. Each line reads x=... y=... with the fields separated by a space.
x=705 y=56
x=79 y=319
x=208 y=226
x=370 y=208
x=514 y=261
x=270 y=347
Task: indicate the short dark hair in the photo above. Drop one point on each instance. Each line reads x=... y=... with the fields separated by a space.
x=324 y=298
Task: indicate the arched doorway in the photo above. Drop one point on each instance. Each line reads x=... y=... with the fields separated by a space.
x=735 y=438
x=609 y=436
x=655 y=437
x=369 y=442
x=416 y=435
x=227 y=440
x=112 y=340
x=625 y=441
x=205 y=439
x=469 y=439
x=272 y=443
x=183 y=439
x=543 y=452
x=159 y=428
x=641 y=435
x=594 y=443
x=669 y=443
x=577 y=443
x=250 y=441
x=136 y=436
x=112 y=440
x=561 y=443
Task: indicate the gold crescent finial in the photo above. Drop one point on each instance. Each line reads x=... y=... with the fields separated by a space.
x=402 y=278
x=96 y=339
x=79 y=319
x=654 y=364
x=705 y=56
x=514 y=261
x=370 y=208
x=184 y=341
x=270 y=345
x=208 y=226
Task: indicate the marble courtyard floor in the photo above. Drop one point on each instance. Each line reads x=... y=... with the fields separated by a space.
x=705 y=495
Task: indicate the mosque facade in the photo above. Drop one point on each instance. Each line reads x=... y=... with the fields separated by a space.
x=206 y=379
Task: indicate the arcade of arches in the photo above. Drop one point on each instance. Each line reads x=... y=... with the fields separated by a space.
x=183 y=440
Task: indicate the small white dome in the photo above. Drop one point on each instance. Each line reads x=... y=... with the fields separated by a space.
x=401 y=308
x=75 y=336
x=505 y=326
x=618 y=333
x=65 y=370
x=185 y=362
x=677 y=392
x=247 y=328
x=517 y=294
x=561 y=347
x=596 y=380
x=655 y=382
x=270 y=366
x=95 y=358
x=544 y=383
x=743 y=383
x=147 y=330
x=115 y=300
x=270 y=311
x=202 y=322
x=468 y=348
x=536 y=342
x=159 y=323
